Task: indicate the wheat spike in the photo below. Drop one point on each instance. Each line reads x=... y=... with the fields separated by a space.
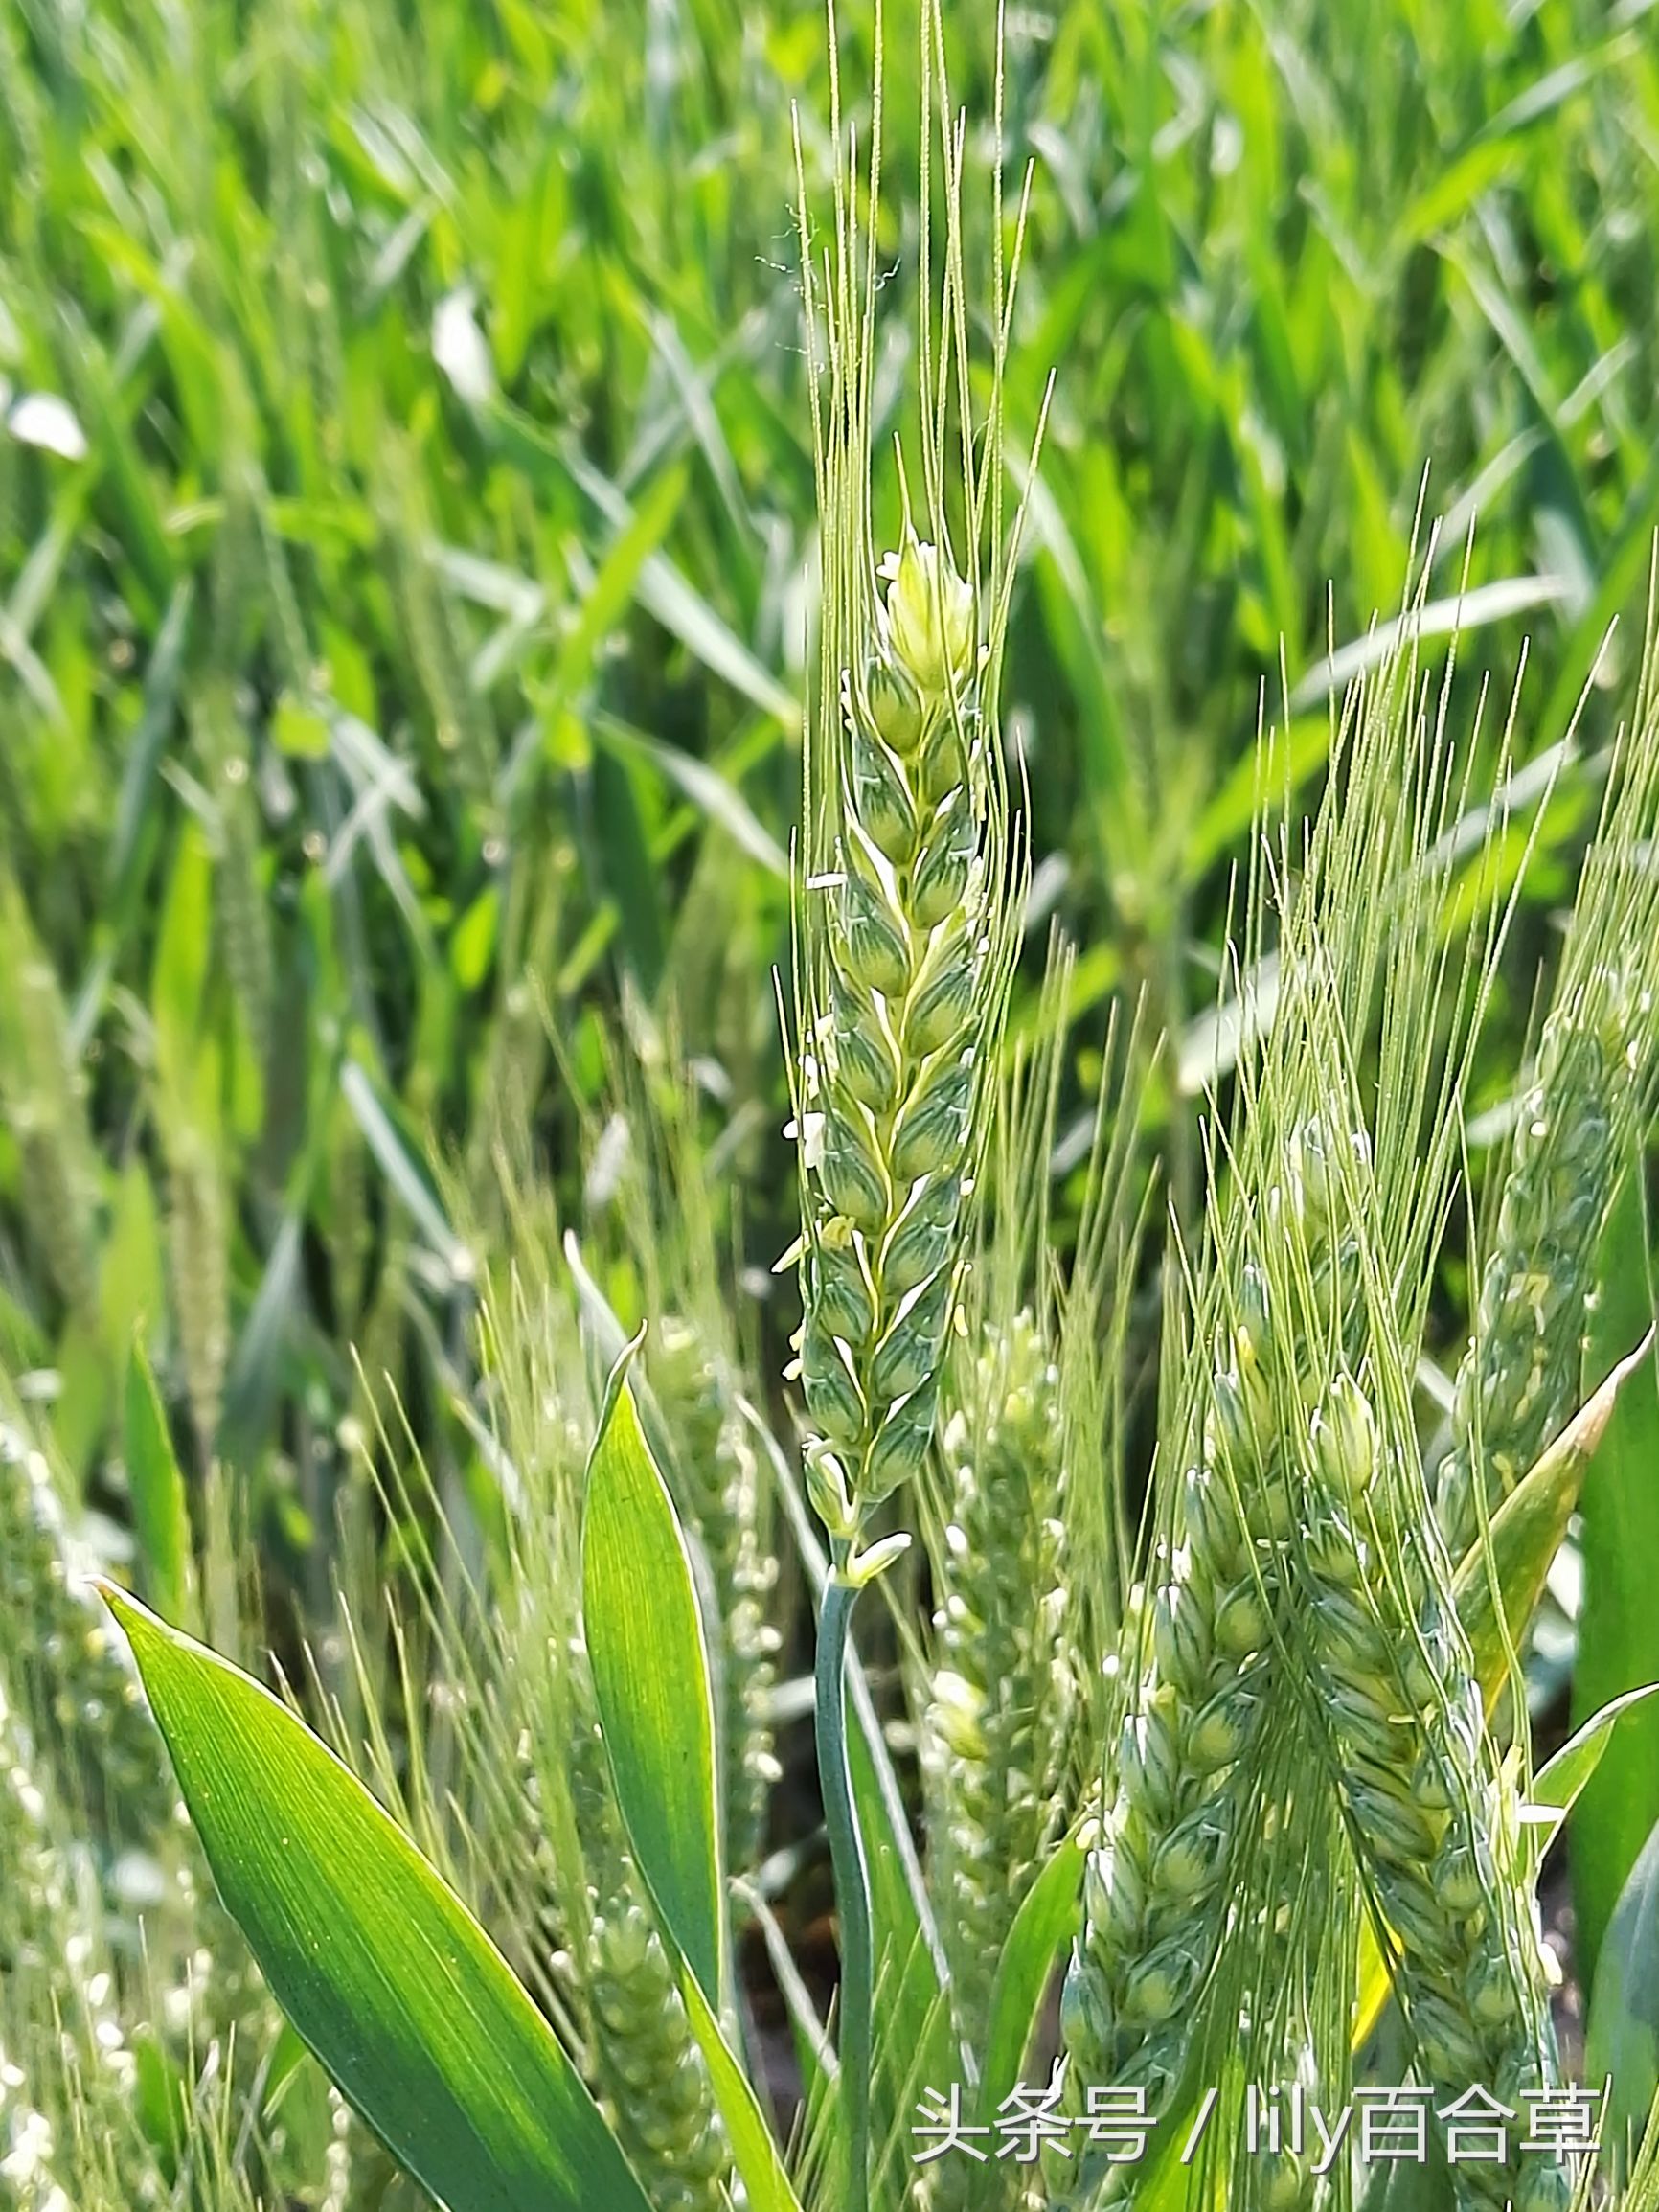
x=903 y=935
x=1432 y=1813
x=1593 y=1083
x=908 y=900
x=996 y=1726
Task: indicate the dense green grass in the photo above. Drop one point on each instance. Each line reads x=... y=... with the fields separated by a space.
x=413 y=651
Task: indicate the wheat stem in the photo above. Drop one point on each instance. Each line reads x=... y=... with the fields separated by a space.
x=852 y=1880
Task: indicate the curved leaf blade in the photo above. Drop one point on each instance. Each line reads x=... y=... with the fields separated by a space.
x=1621 y=2034
x=1559 y=1782
x=381 y=1967
x=650 y=1670
x=1048 y=1916
x=1526 y=1533
x=651 y=1674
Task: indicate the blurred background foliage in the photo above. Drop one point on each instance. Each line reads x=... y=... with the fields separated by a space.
x=406 y=531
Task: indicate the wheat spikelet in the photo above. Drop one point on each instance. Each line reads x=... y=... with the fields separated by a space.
x=1197 y=1666
x=1433 y=1815
x=903 y=939
x=654 y=2080
x=1321 y=1239
x=1438 y=1824
x=1024 y=1549
x=97 y=1752
x=339 y=2165
x=28 y=2138
x=1185 y=1780
x=67 y=2069
x=30 y=1888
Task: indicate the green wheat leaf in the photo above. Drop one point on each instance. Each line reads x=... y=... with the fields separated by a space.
x=1047 y=1920
x=651 y=1674
x=381 y=1967
x=1559 y=1783
x=650 y=1670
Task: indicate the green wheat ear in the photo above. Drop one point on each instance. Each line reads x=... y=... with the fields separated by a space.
x=910 y=884
x=1592 y=1088
x=1292 y=1588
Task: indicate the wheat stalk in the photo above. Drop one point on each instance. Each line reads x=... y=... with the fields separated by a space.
x=906 y=923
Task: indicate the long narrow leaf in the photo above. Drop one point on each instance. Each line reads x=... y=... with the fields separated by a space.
x=650 y=1670
x=1048 y=1916
x=1618 y=1624
x=379 y=1966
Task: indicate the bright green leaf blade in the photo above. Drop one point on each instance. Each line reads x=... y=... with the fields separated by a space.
x=1622 y=2037
x=1048 y=1918
x=651 y=1668
x=160 y=1514
x=377 y=1962
x=704 y=787
x=637 y=538
x=650 y=1672
x=1619 y=1624
x=754 y=2149
x=1559 y=1783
